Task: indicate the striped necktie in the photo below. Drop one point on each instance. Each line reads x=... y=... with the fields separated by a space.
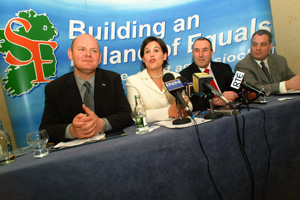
x=88 y=98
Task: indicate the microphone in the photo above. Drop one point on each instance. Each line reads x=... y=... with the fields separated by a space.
x=215 y=92
x=183 y=79
x=201 y=82
x=188 y=86
x=175 y=87
x=237 y=82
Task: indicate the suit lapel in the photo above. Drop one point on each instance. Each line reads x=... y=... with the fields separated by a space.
x=259 y=71
x=195 y=68
x=149 y=82
x=272 y=69
x=73 y=95
x=101 y=85
x=218 y=75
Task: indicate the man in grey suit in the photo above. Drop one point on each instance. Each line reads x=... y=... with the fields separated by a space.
x=87 y=101
x=262 y=68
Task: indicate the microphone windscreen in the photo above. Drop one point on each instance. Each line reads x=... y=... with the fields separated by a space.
x=168 y=77
x=183 y=79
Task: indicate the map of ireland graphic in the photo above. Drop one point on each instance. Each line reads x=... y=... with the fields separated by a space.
x=28 y=49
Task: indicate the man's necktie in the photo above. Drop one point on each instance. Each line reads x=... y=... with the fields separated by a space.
x=266 y=71
x=212 y=83
x=88 y=98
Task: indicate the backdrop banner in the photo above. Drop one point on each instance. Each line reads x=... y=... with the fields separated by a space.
x=35 y=37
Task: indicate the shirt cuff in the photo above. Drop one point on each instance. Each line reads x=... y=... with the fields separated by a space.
x=106 y=125
x=282 y=88
x=68 y=134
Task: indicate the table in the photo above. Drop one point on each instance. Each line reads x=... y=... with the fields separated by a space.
x=169 y=163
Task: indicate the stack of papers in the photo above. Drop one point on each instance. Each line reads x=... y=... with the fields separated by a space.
x=77 y=142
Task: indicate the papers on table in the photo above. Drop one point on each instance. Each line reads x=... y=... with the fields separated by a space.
x=291 y=92
x=151 y=128
x=156 y=125
x=169 y=123
x=285 y=98
x=77 y=142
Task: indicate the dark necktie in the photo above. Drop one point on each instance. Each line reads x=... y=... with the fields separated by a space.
x=266 y=71
x=88 y=98
x=212 y=83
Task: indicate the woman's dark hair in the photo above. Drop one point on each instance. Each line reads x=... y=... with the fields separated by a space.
x=162 y=44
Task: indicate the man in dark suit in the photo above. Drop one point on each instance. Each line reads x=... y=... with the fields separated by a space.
x=262 y=68
x=65 y=116
x=202 y=54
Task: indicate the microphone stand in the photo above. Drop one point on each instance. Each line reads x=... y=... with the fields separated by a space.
x=180 y=120
x=212 y=114
x=246 y=98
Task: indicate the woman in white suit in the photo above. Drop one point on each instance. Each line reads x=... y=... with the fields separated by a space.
x=159 y=103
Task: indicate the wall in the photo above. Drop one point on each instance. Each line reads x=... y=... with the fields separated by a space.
x=5 y=117
x=286 y=19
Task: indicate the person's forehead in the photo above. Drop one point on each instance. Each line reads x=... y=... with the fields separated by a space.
x=200 y=44
x=86 y=41
x=152 y=44
x=260 y=38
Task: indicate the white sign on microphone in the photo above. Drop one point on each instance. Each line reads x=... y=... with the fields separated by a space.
x=174 y=84
x=237 y=80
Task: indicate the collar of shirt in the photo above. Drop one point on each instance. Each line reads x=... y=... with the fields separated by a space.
x=80 y=83
x=265 y=61
x=208 y=67
x=210 y=73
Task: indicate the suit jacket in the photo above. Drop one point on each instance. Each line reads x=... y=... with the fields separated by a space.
x=63 y=102
x=219 y=69
x=156 y=102
x=255 y=76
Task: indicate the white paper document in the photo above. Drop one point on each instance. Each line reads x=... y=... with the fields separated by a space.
x=291 y=92
x=169 y=123
x=77 y=142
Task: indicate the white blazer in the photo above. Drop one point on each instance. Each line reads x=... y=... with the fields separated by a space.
x=156 y=102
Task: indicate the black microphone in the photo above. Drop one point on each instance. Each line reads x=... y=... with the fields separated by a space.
x=215 y=92
x=183 y=79
x=237 y=82
x=175 y=87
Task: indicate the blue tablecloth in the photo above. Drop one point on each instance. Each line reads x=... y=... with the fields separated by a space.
x=169 y=163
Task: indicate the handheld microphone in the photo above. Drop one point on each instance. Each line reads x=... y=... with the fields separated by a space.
x=201 y=83
x=175 y=87
x=237 y=82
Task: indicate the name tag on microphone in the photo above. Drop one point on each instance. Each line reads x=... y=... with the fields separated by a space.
x=174 y=84
x=237 y=80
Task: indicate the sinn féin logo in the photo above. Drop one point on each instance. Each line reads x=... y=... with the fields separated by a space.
x=26 y=43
